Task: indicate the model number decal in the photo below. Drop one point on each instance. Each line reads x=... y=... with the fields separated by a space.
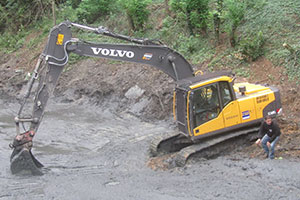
x=231 y=117
x=112 y=52
x=261 y=99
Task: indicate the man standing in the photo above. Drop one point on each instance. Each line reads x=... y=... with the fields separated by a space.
x=268 y=136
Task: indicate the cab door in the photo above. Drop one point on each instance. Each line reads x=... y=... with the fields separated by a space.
x=205 y=110
x=230 y=106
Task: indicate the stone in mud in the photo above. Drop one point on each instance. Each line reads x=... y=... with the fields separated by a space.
x=134 y=93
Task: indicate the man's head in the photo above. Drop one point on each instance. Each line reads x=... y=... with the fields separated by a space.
x=268 y=120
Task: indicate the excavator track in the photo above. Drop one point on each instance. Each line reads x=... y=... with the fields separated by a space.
x=167 y=143
x=160 y=147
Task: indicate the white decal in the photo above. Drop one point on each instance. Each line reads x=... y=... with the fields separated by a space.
x=112 y=52
x=272 y=112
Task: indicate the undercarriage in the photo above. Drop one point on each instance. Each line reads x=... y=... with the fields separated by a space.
x=182 y=148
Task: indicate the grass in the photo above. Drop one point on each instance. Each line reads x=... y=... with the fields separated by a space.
x=279 y=22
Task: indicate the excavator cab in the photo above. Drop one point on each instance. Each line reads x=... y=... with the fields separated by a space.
x=202 y=99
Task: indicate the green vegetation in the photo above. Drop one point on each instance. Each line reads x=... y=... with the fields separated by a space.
x=217 y=34
x=252 y=47
x=194 y=12
x=90 y=10
x=234 y=14
x=137 y=13
x=16 y=14
x=293 y=64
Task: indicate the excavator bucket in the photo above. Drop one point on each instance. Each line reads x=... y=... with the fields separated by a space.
x=22 y=161
x=25 y=163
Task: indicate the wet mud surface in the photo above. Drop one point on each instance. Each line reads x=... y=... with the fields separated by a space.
x=93 y=153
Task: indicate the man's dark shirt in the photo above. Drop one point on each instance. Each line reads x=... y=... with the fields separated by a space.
x=272 y=130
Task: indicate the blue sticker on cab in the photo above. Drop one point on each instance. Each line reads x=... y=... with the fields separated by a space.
x=246 y=115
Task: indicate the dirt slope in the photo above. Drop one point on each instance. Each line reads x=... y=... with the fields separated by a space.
x=143 y=90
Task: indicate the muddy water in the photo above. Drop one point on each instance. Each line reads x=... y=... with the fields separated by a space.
x=94 y=153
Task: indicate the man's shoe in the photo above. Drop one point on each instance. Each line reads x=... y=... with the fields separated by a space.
x=266 y=156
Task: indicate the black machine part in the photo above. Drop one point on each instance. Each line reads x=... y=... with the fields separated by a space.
x=56 y=55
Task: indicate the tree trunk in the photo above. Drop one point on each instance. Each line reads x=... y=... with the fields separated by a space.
x=53 y=12
x=130 y=22
x=217 y=21
x=190 y=26
x=232 y=36
x=167 y=8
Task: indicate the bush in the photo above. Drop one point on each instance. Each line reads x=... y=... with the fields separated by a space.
x=235 y=11
x=11 y=42
x=74 y=3
x=91 y=10
x=2 y=19
x=253 y=47
x=137 y=13
x=17 y=13
x=194 y=12
x=292 y=65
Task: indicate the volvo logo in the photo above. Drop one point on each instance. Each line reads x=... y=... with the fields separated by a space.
x=112 y=52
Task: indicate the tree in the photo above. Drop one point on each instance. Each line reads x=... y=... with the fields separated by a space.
x=195 y=13
x=234 y=16
x=217 y=20
x=137 y=13
x=91 y=10
x=167 y=7
x=15 y=14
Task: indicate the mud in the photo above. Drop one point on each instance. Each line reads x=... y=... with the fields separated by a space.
x=94 y=152
x=95 y=136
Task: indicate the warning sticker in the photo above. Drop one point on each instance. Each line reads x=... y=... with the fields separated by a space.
x=60 y=39
x=147 y=56
x=246 y=114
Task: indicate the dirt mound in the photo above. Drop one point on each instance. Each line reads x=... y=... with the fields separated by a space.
x=141 y=90
x=264 y=72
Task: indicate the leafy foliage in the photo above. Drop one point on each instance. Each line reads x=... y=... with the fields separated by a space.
x=235 y=10
x=11 y=42
x=137 y=13
x=253 y=47
x=90 y=10
x=246 y=23
x=194 y=12
x=74 y=3
x=17 y=13
x=292 y=65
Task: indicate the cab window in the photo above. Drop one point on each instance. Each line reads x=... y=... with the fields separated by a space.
x=225 y=93
x=206 y=105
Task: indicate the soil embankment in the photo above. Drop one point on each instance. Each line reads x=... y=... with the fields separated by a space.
x=145 y=91
x=95 y=135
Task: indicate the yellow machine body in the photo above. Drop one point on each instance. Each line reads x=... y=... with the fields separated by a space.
x=236 y=105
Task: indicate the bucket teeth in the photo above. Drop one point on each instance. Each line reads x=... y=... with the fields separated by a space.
x=23 y=162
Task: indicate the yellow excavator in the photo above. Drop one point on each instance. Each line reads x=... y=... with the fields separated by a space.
x=208 y=108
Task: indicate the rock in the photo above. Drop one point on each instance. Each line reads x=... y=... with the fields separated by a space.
x=139 y=106
x=134 y=93
x=112 y=183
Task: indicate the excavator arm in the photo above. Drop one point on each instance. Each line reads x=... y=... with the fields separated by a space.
x=51 y=64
